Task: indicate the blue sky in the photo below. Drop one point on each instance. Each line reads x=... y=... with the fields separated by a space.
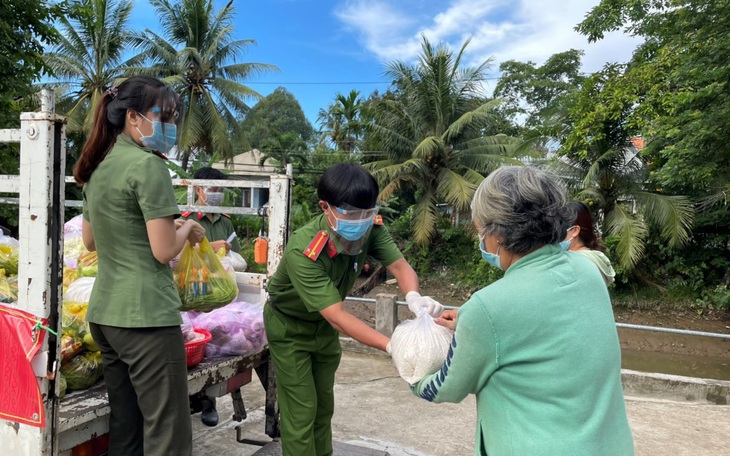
x=327 y=46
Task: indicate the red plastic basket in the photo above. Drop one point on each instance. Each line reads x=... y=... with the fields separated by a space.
x=195 y=351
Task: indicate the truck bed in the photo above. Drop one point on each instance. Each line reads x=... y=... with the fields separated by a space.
x=84 y=414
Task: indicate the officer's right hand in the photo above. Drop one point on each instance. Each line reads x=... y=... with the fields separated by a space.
x=416 y=301
x=197 y=232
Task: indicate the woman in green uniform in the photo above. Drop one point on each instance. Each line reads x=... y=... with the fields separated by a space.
x=134 y=309
x=305 y=313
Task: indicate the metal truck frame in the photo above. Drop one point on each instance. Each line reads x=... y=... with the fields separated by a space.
x=83 y=415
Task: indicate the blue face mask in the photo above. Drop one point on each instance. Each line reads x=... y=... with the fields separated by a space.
x=565 y=245
x=162 y=139
x=352 y=230
x=491 y=258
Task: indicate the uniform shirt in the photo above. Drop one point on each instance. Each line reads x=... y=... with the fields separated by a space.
x=130 y=187
x=540 y=351
x=217 y=230
x=302 y=286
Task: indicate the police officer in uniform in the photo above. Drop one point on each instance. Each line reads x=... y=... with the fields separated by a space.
x=218 y=228
x=305 y=313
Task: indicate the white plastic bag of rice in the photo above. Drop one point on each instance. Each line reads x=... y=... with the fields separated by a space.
x=419 y=347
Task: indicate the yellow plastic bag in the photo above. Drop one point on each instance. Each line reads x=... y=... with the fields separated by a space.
x=202 y=281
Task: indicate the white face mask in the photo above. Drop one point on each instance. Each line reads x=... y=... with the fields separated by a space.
x=213 y=198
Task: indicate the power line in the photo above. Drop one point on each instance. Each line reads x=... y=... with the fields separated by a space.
x=340 y=83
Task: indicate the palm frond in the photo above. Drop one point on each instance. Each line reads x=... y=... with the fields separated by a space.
x=673 y=214
x=631 y=232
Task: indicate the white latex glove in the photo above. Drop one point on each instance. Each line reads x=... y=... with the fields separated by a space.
x=416 y=301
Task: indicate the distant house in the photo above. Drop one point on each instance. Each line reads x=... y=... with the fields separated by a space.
x=246 y=166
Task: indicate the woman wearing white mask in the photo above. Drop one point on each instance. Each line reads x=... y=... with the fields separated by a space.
x=538 y=347
x=134 y=309
x=581 y=238
x=218 y=227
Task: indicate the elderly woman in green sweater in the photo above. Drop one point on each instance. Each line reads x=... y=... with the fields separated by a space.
x=539 y=347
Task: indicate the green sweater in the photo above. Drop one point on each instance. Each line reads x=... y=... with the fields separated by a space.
x=540 y=351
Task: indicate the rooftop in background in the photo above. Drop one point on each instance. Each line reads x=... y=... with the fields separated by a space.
x=246 y=166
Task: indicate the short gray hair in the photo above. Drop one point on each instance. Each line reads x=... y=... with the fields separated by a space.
x=523 y=206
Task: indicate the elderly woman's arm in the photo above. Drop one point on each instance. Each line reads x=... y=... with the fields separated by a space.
x=471 y=360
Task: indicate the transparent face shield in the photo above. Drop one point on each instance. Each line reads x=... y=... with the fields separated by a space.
x=351 y=227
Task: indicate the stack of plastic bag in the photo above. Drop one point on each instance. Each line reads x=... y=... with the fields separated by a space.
x=419 y=347
x=73 y=248
x=236 y=329
x=76 y=302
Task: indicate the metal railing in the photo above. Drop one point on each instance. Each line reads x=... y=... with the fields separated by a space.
x=386 y=312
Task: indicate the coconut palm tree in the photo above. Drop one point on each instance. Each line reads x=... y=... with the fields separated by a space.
x=284 y=148
x=341 y=123
x=88 y=56
x=613 y=181
x=198 y=56
x=608 y=172
x=432 y=132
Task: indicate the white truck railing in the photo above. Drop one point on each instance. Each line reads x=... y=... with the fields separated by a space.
x=41 y=196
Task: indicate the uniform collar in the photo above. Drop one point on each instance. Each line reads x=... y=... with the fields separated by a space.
x=330 y=247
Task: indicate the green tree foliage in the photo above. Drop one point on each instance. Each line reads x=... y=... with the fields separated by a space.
x=675 y=92
x=539 y=93
x=198 y=56
x=340 y=123
x=284 y=149
x=432 y=135
x=88 y=57
x=280 y=113
x=25 y=26
x=613 y=177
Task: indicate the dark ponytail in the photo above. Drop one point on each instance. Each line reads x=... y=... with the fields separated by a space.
x=584 y=220
x=138 y=93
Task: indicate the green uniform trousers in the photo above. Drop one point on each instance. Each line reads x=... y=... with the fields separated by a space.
x=146 y=377
x=306 y=356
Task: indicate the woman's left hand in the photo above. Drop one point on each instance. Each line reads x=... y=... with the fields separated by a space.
x=447 y=318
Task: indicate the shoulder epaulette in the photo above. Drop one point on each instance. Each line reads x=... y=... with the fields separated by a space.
x=187 y=214
x=315 y=247
x=331 y=249
x=378 y=220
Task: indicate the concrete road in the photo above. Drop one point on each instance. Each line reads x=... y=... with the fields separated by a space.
x=375 y=409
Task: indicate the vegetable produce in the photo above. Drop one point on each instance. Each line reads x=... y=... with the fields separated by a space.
x=72 y=324
x=82 y=370
x=8 y=255
x=88 y=264
x=8 y=288
x=236 y=329
x=203 y=283
x=63 y=386
x=70 y=346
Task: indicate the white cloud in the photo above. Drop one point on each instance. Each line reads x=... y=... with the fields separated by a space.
x=518 y=30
